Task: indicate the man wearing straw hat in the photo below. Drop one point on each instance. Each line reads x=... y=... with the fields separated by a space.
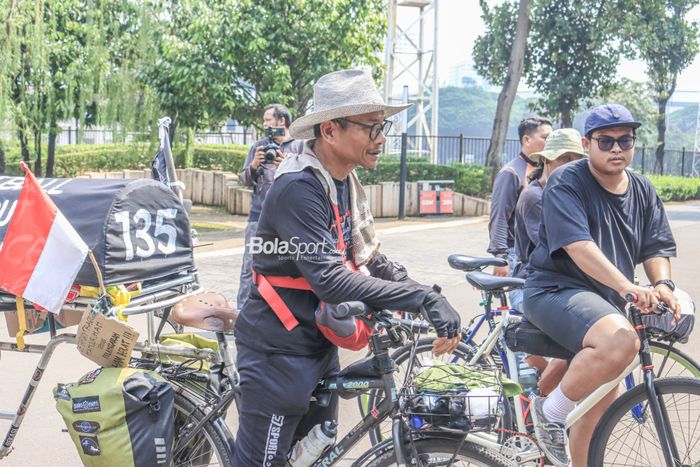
x=316 y=246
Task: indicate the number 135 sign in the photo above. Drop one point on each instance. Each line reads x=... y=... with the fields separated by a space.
x=162 y=237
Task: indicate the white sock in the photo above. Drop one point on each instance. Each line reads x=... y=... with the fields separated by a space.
x=557 y=406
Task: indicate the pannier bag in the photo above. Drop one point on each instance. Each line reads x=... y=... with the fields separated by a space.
x=119 y=417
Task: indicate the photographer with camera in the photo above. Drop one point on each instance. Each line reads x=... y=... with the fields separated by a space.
x=259 y=172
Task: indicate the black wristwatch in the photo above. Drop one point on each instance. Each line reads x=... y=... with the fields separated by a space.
x=667 y=282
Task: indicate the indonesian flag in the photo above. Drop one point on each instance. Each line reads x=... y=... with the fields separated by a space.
x=42 y=253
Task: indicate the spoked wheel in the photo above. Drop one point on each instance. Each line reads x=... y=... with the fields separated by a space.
x=627 y=437
x=434 y=452
x=213 y=445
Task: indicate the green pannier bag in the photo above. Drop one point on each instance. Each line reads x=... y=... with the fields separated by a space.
x=119 y=417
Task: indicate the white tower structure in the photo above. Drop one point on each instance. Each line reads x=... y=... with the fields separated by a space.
x=411 y=60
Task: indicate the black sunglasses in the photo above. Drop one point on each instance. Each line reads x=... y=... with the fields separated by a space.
x=374 y=129
x=606 y=143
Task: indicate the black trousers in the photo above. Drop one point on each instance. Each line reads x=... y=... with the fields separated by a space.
x=276 y=410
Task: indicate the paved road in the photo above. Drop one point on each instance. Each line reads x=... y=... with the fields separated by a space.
x=423 y=250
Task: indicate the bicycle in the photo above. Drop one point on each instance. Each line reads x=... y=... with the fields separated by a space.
x=415 y=357
x=202 y=436
x=406 y=446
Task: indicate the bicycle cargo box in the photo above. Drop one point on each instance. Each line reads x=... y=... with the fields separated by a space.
x=119 y=417
x=137 y=228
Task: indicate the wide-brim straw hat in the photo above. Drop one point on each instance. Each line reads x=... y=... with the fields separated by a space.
x=342 y=94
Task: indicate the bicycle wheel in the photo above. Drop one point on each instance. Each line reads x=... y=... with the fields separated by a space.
x=440 y=452
x=622 y=438
x=422 y=358
x=670 y=362
x=212 y=446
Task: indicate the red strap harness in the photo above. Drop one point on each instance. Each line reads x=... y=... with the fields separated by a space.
x=266 y=284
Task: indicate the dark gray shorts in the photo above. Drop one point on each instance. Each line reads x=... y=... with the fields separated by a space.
x=565 y=315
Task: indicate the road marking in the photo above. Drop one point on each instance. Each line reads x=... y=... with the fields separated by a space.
x=381 y=232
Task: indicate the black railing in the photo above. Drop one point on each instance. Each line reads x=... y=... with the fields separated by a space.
x=450 y=149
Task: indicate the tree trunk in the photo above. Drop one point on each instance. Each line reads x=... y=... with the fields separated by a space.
x=566 y=119
x=51 y=150
x=23 y=143
x=37 y=149
x=171 y=131
x=494 y=155
x=2 y=159
x=661 y=135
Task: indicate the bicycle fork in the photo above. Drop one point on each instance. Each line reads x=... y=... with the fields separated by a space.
x=656 y=404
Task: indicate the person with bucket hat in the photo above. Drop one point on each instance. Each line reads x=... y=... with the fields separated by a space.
x=599 y=220
x=315 y=246
x=562 y=146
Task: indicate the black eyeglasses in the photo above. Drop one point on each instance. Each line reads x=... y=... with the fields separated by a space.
x=606 y=143
x=374 y=129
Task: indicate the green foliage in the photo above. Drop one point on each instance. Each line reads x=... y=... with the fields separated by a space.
x=573 y=53
x=279 y=49
x=470 y=110
x=672 y=188
x=72 y=161
x=491 y=52
x=470 y=179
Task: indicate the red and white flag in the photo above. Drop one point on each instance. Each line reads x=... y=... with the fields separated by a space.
x=41 y=253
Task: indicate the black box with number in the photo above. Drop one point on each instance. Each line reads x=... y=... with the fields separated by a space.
x=137 y=229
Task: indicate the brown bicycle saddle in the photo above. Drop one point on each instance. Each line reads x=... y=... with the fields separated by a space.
x=208 y=311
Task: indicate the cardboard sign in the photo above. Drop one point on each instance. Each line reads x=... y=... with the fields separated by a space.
x=106 y=341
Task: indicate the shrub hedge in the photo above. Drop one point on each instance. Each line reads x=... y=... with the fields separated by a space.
x=671 y=188
x=76 y=159
x=471 y=179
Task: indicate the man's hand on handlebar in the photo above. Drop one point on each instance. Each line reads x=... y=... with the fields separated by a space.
x=664 y=294
x=643 y=298
x=446 y=321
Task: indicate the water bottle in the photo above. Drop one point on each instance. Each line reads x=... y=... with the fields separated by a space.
x=527 y=376
x=309 y=449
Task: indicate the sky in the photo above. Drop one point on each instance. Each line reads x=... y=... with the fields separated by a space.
x=460 y=23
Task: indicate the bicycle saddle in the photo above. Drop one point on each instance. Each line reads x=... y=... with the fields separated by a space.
x=207 y=311
x=490 y=283
x=470 y=263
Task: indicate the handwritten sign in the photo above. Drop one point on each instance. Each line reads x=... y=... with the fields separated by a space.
x=106 y=341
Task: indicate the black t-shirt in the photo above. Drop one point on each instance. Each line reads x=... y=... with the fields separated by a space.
x=527 y=225
x=298 y=213
x=629 y=228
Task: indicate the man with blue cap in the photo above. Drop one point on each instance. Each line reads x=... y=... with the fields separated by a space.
x=599 y=221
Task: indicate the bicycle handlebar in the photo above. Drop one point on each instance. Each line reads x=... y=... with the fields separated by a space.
x=661 y=308
x=357 y=308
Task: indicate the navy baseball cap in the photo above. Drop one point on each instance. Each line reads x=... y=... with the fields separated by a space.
x=609 y=116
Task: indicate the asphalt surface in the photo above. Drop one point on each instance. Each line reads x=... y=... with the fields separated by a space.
x=423 y=246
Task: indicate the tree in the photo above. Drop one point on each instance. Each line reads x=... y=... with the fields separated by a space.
x=516 y=64
x=668 y=42
x=574 y=54
x=279 y=49
x=569 y=55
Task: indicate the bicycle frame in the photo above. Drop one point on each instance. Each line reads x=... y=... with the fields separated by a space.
x=658 y=410
x=148 y=347
x=388 y=406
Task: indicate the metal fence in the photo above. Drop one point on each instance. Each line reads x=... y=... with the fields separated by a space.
x=450 y=149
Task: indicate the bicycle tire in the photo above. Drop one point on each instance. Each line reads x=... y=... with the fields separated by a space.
x=423 y=351
x=619 y=413
x=681 y=364
x=215 y=444
x=440 y=450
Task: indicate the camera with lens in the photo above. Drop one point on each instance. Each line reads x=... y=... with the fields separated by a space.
x=270 y=149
